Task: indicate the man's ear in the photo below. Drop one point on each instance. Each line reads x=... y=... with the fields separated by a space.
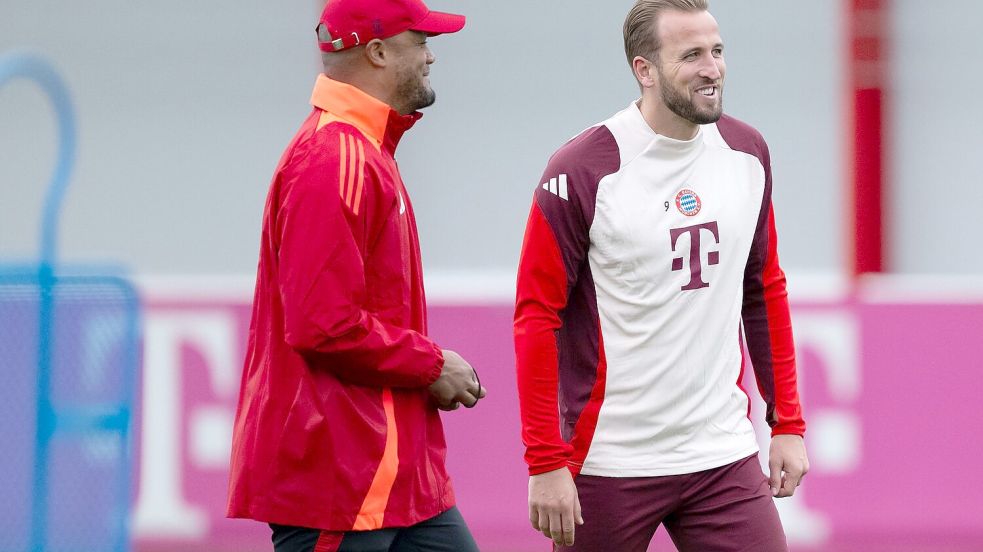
x=375 y=52
x=644 y=72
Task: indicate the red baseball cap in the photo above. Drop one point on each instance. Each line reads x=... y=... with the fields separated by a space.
x=348 y=23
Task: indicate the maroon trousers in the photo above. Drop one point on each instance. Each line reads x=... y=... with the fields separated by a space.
x=726 y=509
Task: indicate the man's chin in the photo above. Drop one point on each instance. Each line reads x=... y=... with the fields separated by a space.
x=714 y=117
x=426 y=101
x=708 y=116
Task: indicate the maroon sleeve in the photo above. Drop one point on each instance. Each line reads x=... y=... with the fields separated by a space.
x=322 y=279
x=541 y=293
x=765 y=312
x=784 y=413
x=551 y=268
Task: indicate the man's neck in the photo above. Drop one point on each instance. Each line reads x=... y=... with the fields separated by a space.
x=664 y=122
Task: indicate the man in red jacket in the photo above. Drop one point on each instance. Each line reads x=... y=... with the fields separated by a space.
x=338 y=443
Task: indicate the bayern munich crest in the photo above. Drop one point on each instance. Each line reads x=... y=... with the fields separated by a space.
x=688 y=202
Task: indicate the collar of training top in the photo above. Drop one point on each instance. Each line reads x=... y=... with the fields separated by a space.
x=373 y=116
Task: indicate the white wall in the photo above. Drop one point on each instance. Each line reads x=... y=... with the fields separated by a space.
x=937 y=165
x=185 y=107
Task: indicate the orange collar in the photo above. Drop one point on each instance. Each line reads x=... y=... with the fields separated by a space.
x=372 y=116
x=353 y=105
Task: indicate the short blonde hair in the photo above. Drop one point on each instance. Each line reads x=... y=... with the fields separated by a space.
x=640 y=24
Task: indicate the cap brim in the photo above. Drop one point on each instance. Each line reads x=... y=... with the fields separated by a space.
x=436 y=23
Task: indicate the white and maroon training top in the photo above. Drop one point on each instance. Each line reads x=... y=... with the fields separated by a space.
x=646 y=262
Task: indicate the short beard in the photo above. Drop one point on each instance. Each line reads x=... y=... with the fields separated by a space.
x=684 y=107
x=413 y=94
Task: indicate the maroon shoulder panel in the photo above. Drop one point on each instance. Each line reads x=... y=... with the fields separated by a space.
x=584 y=161
x=744 y=138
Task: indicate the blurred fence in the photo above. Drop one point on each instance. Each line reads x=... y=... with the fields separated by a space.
x=69 y=358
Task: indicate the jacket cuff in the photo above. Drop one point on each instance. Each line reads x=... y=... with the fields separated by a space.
x=437 y=368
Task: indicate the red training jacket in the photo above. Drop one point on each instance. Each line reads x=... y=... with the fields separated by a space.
x=335 y=428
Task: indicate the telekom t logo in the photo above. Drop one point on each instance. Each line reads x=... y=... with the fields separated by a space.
x=695 y=256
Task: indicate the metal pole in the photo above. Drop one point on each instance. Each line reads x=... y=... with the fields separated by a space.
x=33 y=68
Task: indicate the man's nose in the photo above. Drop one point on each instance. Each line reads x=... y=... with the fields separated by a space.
x=710 y=68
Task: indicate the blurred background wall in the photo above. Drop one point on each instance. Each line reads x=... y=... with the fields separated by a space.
x=936 y=170
x=184 y=109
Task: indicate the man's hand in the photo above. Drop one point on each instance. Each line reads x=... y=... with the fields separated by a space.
x=554 y=507
x=788 y=463
x=458 y=384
